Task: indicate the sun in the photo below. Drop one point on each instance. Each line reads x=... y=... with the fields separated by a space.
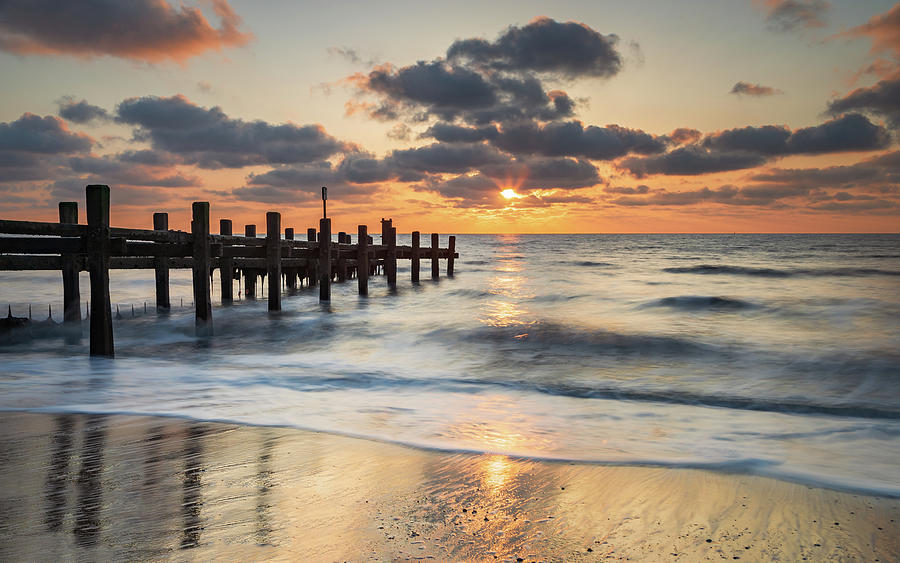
x=510 y=193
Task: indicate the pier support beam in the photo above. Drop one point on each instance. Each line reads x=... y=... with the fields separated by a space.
x=312 y=268
x=435 y=269
x=250 y=274
x=161 y=266
x=68 y=213
x=390 y=260
x=273 y=258
x=362 y=260
x=414 y=257
x=324 y=259
x=98 y=247
x=290 y=273
x=451 y=245
x=203 y=321
x=226 y=266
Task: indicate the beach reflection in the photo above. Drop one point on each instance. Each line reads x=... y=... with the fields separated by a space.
x=507 y=286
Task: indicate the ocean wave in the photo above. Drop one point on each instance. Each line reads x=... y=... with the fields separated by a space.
x=775 y=273
x=702 y=303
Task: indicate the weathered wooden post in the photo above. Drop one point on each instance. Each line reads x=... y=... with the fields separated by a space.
x=390 y=260
x=98 y=249
x=68 y=213
x=362 y=260
x=414 y=258
x=290 y=273
x=273 y=258
x=324 y=259
x=435 y=271
x=161 y=266
x=226 y=265
x=312 y=267
x=341 y=265
x=250 y=273
x=203 y=321
x=451 y=245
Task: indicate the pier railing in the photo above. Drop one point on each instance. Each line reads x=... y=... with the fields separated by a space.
x=97 y=247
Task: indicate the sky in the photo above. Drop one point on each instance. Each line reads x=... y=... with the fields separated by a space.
x=463 y=117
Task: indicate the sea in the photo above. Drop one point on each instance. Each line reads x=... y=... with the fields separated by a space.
x=774 y=355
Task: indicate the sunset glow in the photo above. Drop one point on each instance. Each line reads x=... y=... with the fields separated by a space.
x=573 y=113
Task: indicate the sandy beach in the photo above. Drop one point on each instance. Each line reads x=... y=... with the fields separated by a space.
x=97 y=487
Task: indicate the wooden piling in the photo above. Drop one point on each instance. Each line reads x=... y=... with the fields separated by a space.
x=341 y=265
x=362 y=260
x=435 y=271
x=312 y=268
x=68 y=213
x=451 y=246
x=203 y=321
x=161 y=266
x=273 y=258
x=98 y=250
x=290 y=273
x=325 y=259
x=390 y=261
x=250 y=274
x=226 y=265
x=414 y=258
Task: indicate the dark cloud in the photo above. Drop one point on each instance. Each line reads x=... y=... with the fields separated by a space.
x=882 y=99
x=115 y=171
x=767 y=140
x=557 y=173
x=544 y=45
x=303 y=182
x=691 y=160
x=447 y=158
x=684 y=135
x=624 y=190
x=211 y=139
x=47 y=135
x=143 y=30
x=450 y=133
x=852 y=132
x=571 y=138
x=788 y=15
x=757 y=90
x=482 y=82
x=80 y=111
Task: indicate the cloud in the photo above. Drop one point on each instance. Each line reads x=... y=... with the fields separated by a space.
x=211 y=139
x=80 y=111
x=48 y=135
x=358 y=175
x=756 y=90
x=684 y=135
x=747 y=147
x=623 y=190
x=450 y=133
x=881 y=99
x=144 y=30
x=788 y=15
x=691 y=160
x=447 y=158
x=567 y=49
x=572 y=138
x=482 y=82
x=883 y=30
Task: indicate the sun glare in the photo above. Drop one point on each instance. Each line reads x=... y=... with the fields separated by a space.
x=510 y=193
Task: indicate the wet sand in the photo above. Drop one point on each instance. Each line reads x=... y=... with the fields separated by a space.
x=95 y=487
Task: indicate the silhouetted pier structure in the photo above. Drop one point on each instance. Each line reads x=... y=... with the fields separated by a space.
x=96 y=247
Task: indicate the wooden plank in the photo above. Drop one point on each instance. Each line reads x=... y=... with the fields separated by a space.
x=435 y=271
x=42 y=245
x=273 y=258
x=174 y=237
x=97 y=196
x=250 y=275
x=40 y=228
x=161 y=266
x=414 y=257
x=451 y=251
x=68 y=214
x=226 y=265
x=325 y=259
x=141 y=248
x=203 y=321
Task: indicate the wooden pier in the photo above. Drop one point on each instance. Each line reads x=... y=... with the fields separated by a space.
x=70 y=248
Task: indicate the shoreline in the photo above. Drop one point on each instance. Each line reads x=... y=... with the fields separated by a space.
x=78 y=486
